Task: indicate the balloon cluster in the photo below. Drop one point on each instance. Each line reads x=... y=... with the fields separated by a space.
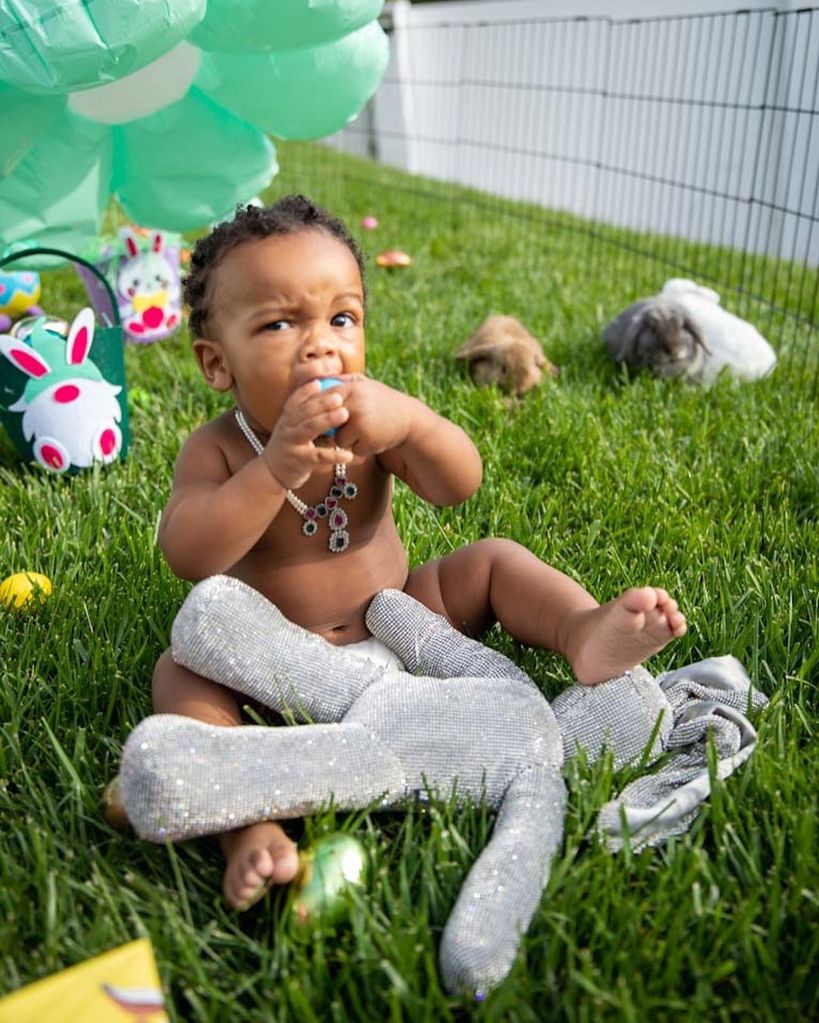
x=166 y=104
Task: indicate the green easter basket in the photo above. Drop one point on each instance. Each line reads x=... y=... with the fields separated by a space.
x=63 y=397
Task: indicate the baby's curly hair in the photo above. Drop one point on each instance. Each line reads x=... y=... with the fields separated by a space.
x=289 y=215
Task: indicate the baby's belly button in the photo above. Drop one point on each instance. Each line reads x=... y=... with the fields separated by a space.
x=345 y=633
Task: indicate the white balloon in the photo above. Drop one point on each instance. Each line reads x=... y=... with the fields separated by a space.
x=160 y=83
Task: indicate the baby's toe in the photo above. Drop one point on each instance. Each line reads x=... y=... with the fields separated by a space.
x=285 y=862
x=677 y=623
x=245 y=882
x=640 y=599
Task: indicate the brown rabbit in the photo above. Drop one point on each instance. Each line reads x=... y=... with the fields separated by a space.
x=503 y=352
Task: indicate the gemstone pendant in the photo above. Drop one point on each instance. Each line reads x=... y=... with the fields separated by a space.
x=339 y=540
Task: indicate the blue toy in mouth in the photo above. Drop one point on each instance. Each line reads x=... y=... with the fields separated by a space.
x=326 y=383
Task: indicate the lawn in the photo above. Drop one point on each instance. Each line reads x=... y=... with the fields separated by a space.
x=617 y=482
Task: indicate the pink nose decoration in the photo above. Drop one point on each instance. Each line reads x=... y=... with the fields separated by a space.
x=66 y=393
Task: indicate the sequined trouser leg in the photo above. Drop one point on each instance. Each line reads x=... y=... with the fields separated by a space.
x=230 y=633
x=182 y=778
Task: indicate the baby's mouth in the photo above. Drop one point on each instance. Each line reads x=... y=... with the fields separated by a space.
x=318 y=372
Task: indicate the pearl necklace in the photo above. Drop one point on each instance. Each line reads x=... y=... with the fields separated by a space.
x=327 y=509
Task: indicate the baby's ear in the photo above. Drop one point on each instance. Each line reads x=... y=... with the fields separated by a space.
x=213 y=364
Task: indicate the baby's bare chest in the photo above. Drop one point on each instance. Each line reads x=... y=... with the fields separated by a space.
x=321 y=566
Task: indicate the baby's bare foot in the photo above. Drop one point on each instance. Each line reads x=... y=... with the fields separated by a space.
x=608 y=640
x=258 y=856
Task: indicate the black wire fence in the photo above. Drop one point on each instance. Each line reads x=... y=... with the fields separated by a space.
x=681 y=146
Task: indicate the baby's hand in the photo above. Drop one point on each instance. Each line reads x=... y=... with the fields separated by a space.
x=292 y=453
x=379 y=416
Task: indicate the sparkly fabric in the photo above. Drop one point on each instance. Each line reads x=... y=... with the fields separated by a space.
x=462 y=718
x=709 y=701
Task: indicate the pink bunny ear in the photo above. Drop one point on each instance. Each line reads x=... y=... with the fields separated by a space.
x=80 y=336
x=157 y=241
x=131 y=243
x=23 y=357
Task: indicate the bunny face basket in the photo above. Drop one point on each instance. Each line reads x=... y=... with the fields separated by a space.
x=63 y=398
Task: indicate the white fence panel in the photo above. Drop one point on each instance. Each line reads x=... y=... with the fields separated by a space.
x=684 y=119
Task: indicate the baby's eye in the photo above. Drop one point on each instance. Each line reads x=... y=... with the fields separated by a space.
x=342 y=320
x=276 y=325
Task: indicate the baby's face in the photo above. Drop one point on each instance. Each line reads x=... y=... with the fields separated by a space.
x=285 y=309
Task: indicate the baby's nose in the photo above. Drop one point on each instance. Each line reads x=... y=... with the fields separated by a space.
x=318 y=343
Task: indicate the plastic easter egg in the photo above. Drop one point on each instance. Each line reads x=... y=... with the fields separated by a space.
x=24 y=589
x=369 y=223
x=334 y=867
x=18 y=292
x=393 y=258
x=112 y=809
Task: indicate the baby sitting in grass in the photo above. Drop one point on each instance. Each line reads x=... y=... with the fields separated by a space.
x=290 y=491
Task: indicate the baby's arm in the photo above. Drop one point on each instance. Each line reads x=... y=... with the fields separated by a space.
x=433 y=456
x=214 y=517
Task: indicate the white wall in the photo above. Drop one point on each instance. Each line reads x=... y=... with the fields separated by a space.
x=695 y=120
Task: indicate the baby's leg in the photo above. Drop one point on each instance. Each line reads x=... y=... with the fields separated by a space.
x=260 y=854
x=498 y=580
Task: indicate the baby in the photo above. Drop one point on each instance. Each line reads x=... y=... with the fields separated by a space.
x=290 y=491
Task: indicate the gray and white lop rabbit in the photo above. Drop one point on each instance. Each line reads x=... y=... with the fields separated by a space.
x=685 y=332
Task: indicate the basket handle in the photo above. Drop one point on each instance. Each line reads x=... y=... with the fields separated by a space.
x=43 y=251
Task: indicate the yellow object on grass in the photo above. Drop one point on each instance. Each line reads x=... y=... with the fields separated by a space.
x=115 y=987
x=23 y=588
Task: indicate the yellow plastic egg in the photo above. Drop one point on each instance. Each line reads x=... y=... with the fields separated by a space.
x=24 y=588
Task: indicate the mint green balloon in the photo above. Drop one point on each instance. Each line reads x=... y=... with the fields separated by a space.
x=60 y=188
x=53 y=46
x=242 y=25
x=189 y=164
x=26 y=119
x=299 y=94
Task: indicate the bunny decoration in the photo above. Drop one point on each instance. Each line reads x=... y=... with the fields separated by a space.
x=685 y=332
x=461 y=716
x=70 y=412
x=147 y=285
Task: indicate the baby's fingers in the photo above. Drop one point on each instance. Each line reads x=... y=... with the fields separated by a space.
x=320 y=422
x=330 y=455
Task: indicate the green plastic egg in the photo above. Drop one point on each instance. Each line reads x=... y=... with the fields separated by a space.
x=330 y=871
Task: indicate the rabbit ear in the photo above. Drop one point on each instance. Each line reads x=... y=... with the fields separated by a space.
x=130 y=240
x=621 y=334
x=478 y=347
x=695 y=331
x=157 y=241
x=80 y=336
x=23 y=357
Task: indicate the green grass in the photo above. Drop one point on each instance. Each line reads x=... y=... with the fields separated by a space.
x=616 y=482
